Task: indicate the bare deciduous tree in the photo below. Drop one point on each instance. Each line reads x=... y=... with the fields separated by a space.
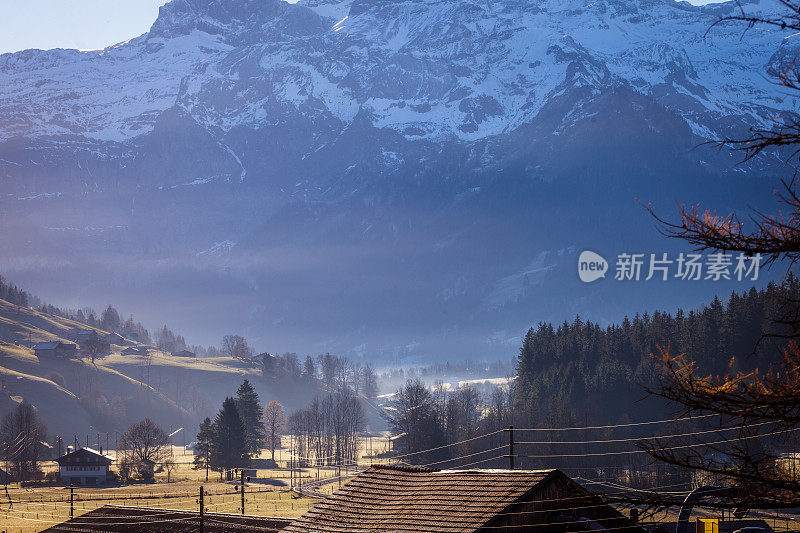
x=275 y=422
x=21 y=435
x=236 y=346
x=143 y=445
x=762 y=407
x=169 y=465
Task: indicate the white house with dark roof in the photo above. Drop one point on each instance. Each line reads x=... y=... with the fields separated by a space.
x=85 y=466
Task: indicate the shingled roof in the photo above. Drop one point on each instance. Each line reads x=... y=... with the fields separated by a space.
x=395 y=499
x=112 y=518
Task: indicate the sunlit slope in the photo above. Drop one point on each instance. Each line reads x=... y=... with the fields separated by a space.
x=78 y=396
x=73 y=395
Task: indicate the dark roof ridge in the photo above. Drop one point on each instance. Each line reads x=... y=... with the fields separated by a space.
x=405 y=468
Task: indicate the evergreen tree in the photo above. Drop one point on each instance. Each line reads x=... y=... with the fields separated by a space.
x=309 y=368
x=110 y=319
x=229 y=446
x=202 y=448
x=588 y=366
x=253 y=417
x=526 y=372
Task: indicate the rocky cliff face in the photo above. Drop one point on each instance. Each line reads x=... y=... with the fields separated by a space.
x=376 y=156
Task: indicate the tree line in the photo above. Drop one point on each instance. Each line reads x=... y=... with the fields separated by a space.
x=439 y=419
x=582 y=374
x=329 y=431
x=334 y=373
x=581 y=371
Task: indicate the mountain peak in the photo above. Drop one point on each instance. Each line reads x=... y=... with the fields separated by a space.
x=233 y=20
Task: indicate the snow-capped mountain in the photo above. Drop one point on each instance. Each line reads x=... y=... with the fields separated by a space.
x=426 y=69
x=432 y=124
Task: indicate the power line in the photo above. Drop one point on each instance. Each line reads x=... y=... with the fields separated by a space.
x=601 y=454
x=612 y=426
x=633 y=439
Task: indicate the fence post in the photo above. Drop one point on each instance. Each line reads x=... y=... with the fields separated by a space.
x=511 y=447
x=71 y=501
x=202 y=506
x=242 y=491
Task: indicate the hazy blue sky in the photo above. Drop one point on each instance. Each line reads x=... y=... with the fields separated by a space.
x=82 y=24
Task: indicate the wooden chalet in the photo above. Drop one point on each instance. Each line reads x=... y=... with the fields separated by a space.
x=113 y=518
x=82 y=335
x=90 y=341
x=54 y=349
x=387 y=499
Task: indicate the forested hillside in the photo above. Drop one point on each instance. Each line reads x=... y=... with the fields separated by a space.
x=581 y=371
x=81 y=394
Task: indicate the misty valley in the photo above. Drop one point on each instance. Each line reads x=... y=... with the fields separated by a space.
x=372 y=266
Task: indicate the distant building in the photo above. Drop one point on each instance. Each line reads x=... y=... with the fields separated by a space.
x=387 y=499
x=79 y=335
x=89 y=341
x=84 y=466
x=184 y=353
x=115 y=338
x=113 y=518
x=54 y=349
x=134 y=350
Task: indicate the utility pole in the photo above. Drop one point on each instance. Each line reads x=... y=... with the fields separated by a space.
x=208 y=458
x=511 y=447
x=202 y=508
x=6 y=479
x=71 y=501
x=291 y=462
x=242 y=483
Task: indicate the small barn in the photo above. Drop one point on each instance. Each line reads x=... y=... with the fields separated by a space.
x=134 y=350
x=79 y=335
x=387 y=499
x=184 y=353
x=115 y=338
x=54 y=349
x=113 y=518
x=84 y=466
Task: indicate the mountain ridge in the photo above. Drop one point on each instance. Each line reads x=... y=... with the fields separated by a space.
x=388 y=176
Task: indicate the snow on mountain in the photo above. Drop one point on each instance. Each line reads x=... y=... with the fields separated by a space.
x=428 y=69
x=376 y=171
